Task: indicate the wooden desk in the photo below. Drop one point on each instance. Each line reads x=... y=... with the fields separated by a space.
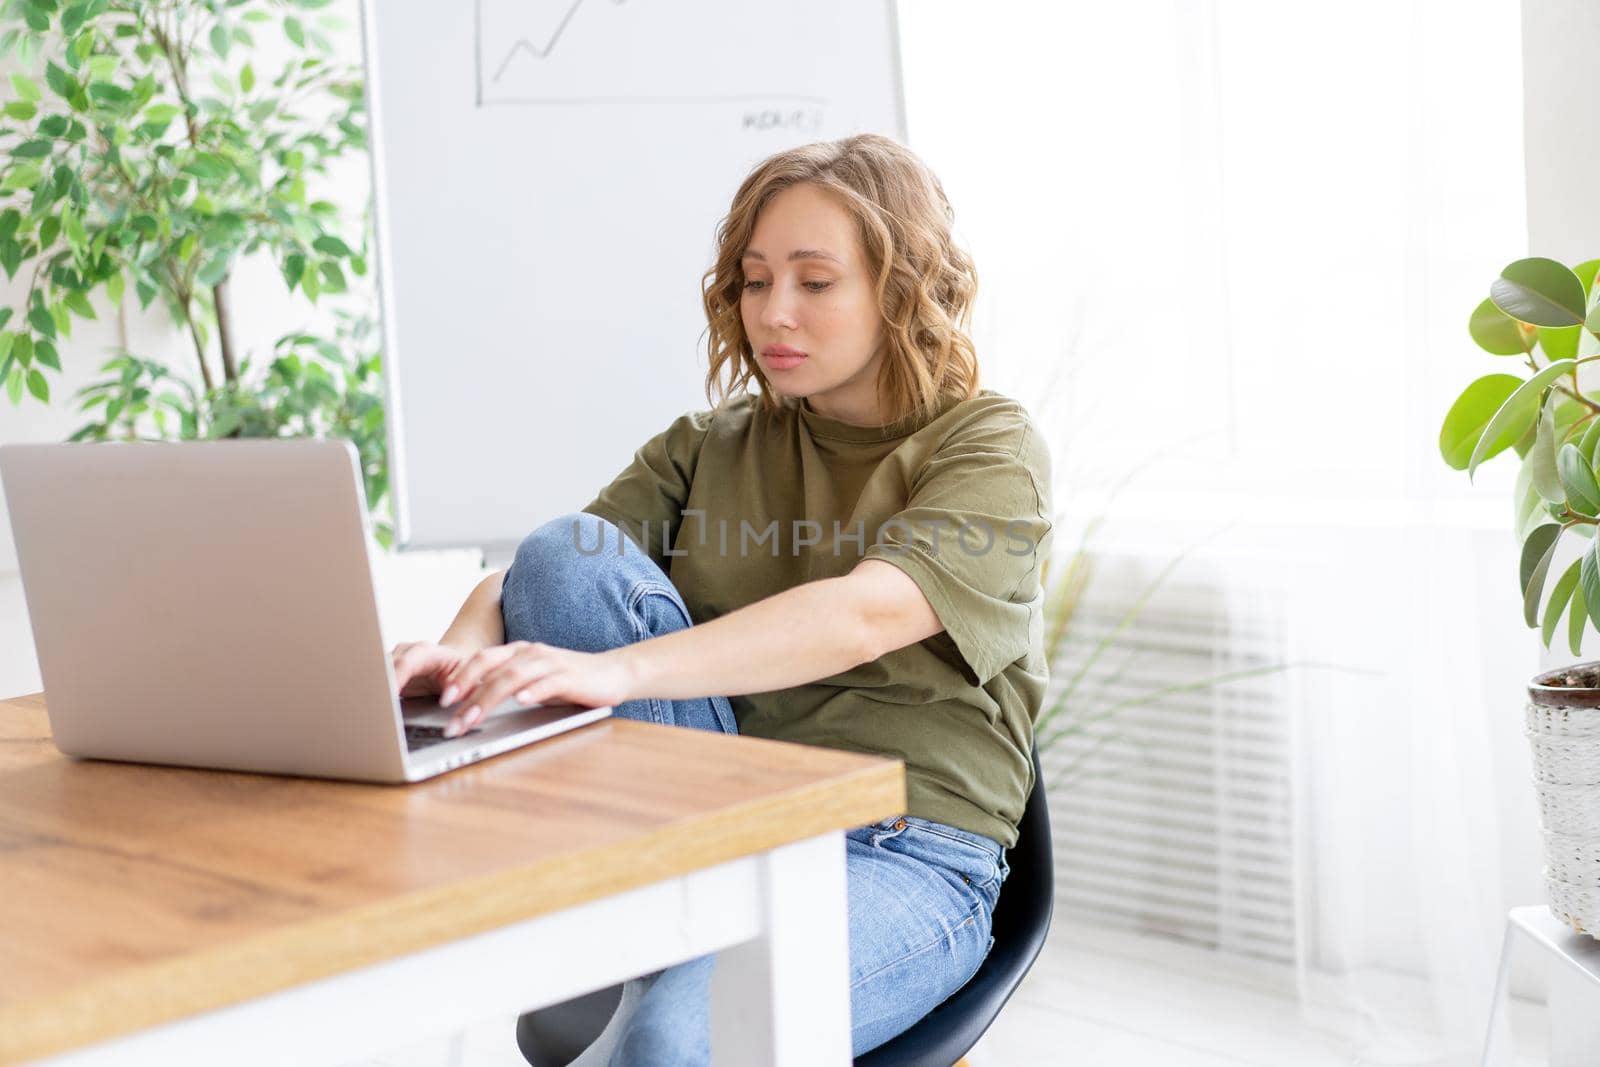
x=166 y=915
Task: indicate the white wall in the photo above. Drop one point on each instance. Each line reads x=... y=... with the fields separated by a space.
x=1561 y=130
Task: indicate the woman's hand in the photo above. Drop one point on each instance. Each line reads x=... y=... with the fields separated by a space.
x=531 y=674
x=420 y=667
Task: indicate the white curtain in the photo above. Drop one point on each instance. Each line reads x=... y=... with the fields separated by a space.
x=1241 y=238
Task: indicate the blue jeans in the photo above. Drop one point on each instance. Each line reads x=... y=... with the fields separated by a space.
x=921 y=894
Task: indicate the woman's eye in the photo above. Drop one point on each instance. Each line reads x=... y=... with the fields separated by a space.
x=815 y=287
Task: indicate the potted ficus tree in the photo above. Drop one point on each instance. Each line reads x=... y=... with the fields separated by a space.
x=146 y=150
x=1546 y=316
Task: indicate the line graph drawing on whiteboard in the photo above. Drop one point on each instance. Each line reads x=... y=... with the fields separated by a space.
x=629 y=51
x=524 y=45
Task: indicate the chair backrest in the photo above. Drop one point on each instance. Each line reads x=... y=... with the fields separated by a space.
x=1021 y=922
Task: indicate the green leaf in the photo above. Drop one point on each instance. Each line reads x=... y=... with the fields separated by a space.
x=44 y=352
x=1539 y=291
x=60 y=82
x=22 y=176
x=1514 y=416
x=214 y=270
x=161 y=112
x=106 y=93
x=72 y=18
x=208 y=166
x=247 y=78
x=331 y=245
x=1559 y=342
x=27 y=89
x=40 y=319
x=1498 y=333
x=1577 y=478
x=74 y=228
x=1464 y=425
x=38 y=386
x=1589 y=580
x=1586 y=272
x=14 y=385
x=98 y=67
x=220 y=40
x=5 y=317
x=80 y=304
x=294 y=266
x=1576 y=618
x=294 y=31
x=21 y=110
x=1537 y=551
x=1543 y=458
x=1590 y=439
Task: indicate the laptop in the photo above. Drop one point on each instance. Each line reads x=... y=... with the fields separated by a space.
x=211 y=604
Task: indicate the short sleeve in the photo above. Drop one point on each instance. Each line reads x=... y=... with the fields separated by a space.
x=974 y=535
x=647 y=499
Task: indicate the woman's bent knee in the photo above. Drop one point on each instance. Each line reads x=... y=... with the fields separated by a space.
x=555 y=545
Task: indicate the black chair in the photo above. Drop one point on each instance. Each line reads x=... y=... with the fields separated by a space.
x=553 y=1037
x=1021 y=921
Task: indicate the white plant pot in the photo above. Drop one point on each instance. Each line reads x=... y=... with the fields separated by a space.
x=1562 y=722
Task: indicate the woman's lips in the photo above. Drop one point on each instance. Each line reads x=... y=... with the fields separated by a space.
x=782 y=357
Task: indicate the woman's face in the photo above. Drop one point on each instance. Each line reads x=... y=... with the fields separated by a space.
x=808 y=306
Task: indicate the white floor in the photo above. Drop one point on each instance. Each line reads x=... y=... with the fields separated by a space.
x=1099 y=997
x=1105 y=997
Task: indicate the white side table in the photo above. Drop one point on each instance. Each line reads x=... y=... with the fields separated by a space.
x=1572 y=963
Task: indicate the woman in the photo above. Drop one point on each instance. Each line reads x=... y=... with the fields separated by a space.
x=849 y=556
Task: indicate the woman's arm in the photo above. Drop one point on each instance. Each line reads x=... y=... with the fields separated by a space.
x=809 y=632
x=479 y=623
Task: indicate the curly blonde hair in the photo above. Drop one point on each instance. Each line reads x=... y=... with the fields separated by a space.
x=925 y=283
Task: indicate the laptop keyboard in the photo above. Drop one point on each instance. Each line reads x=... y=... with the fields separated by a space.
x=419 y=737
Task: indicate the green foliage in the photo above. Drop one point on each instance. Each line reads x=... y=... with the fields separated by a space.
x=145 y=150
x=1549 y=315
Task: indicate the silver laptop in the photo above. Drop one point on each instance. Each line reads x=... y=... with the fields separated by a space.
x=211 y=604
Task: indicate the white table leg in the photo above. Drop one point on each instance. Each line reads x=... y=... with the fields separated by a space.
x=783 y=1000
x=1497 y=1007
x=1574 y=1023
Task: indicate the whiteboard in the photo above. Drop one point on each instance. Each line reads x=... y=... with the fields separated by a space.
x=548 y=178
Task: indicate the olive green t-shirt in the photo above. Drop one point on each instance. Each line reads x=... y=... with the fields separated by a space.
x=736 y=505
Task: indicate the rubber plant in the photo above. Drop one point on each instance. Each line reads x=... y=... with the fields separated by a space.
x=1544 y=317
